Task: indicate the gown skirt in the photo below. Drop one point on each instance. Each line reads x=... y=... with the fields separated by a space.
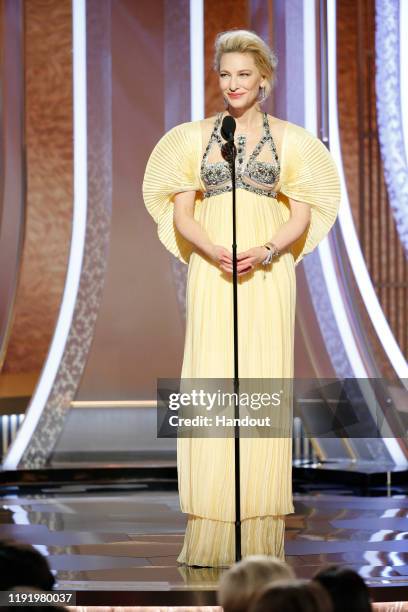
x=266 y=311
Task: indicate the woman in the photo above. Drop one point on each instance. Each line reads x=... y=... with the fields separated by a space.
x=287 y=200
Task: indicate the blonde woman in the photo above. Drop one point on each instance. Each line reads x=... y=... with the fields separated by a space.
x=288 y=196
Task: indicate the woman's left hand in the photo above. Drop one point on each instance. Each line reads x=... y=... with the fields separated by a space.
x=248 y=260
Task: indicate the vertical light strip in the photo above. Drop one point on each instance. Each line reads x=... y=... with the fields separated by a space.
x=197 y=59
x=50 y=369
x=326 y=260
x=347 y=225
x=403 y=23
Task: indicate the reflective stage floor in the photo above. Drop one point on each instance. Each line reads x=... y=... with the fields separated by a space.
x=124 y=540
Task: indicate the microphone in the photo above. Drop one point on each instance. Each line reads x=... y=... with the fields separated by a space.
x=228 y=128
x=228 y=150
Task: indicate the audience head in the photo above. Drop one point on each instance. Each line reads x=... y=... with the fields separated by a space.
x=346 y=588
x=23 y=565
x=292 y=596
x=243 y=580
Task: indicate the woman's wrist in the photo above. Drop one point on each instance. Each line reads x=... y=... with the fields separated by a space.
x=273 y=246
x=271 y=252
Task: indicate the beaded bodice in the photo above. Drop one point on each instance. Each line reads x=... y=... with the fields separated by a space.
x=257 y=176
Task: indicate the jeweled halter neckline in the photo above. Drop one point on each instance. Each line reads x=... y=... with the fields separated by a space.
x=216 y=176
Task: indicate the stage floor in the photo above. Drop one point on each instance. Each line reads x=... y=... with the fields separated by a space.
x=128 y=540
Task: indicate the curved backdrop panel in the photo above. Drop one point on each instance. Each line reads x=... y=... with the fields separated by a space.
x=48 y=200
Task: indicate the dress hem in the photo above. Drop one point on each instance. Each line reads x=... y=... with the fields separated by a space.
x=252 y=516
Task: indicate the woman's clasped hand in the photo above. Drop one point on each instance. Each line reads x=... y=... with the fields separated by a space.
x=246 y=261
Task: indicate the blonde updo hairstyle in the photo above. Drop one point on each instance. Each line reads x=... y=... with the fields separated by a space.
x=245 y=41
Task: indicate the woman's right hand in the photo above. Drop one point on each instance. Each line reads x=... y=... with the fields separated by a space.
x=221 y=257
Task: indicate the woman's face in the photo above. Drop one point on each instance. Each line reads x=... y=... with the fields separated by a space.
x=239 y=79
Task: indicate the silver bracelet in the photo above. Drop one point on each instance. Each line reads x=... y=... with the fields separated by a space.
x=272 y=252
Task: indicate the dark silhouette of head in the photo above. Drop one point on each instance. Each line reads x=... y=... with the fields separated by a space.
x=292 y=596
x=346 y=588
x=23 y=565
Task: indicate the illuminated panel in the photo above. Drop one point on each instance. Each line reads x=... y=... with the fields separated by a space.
x=69 y=298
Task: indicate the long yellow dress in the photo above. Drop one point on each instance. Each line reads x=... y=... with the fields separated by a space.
x=266 y=317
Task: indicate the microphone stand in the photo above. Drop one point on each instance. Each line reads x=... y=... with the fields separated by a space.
x=231 y=153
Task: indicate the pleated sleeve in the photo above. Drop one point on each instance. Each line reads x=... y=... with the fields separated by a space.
x=173 y=167
x=309 y=174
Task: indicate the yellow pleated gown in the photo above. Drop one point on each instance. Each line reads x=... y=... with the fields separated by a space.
x=266 y=317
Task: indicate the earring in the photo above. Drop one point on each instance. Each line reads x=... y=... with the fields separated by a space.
x=226 y=103
x=261 y=94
